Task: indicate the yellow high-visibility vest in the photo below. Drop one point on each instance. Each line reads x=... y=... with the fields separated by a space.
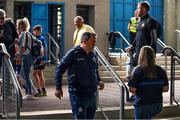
x=133 y=24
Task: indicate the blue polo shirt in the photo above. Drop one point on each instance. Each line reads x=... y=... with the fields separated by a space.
x=149 y=91
x=44 y=43
x=82 y=71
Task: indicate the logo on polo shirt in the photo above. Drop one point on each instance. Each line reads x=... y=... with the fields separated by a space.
x=80 y=59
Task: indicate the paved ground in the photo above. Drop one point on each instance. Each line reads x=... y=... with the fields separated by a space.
x=109 y=97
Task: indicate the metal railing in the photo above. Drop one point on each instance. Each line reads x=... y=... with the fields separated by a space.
x=175 y=62
x=53 y=52
x=161 y=43
x=119 y=85
x=178 y=40
x=122 y=43
x=11 y=91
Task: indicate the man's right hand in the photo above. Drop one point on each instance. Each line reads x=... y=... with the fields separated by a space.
x=59 y=94
x=129 y=49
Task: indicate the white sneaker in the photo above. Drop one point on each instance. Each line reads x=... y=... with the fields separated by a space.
x=28 y=97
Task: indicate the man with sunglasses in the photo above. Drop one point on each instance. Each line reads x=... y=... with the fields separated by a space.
x=83 y=77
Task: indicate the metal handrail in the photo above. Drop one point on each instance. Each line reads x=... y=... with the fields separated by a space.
x=163 y=45
x=116 y=78
x=171 y=49
x=174 y=57
x=14 y=82
x=178 y=31
x=123 y=38
x=51 y=40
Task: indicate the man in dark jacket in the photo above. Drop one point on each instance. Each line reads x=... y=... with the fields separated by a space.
x=7 y=36
x=148 y=30
x=83 y=77
x=8 y=33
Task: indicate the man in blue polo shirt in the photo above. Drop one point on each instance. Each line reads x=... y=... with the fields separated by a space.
x=83 y=77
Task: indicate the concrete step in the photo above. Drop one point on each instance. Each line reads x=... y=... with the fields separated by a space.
x=105 y=79
x=117 y=60
x=102 y=68
x=125 y=57
x=123 y=73
x=169 y=111
x=123 y=67
x=123 y=62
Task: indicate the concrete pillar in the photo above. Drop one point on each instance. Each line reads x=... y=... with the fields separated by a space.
x=9 y=8
x=178 y=24
x=102 y=22
x=170 y=23
x=70 y=13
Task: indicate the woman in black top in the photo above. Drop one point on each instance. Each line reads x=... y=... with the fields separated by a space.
x=147 y=82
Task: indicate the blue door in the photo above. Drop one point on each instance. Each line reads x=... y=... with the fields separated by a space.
x=39 y=15
x=122 y=10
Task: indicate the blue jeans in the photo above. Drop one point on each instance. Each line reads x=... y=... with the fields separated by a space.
x=27 y=61
x=147 y=111
x=83 y=107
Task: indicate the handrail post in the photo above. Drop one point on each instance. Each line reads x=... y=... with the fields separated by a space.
x=3 y=86
x=10 y=84
x=173 y=53
x=171 y=82
x=121 y=111
x=49 y=47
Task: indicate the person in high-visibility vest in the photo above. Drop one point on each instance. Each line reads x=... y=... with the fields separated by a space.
x=132 y=26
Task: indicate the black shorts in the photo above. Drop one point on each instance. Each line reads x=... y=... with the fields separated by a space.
x=37 y=64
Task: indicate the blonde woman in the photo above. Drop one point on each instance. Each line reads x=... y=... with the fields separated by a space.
x=27 y=59
x=148 y=81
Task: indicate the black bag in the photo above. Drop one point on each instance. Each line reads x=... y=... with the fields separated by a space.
x=36 y=46
x=112 y=38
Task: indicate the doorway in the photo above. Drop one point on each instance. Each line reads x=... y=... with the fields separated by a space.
x=87 y=12
x=56 y=26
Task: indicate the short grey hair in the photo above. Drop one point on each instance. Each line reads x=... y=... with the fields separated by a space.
x=2 y=12
x=86 y=36
x=79 y=18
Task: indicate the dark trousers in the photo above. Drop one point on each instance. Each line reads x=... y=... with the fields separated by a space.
x=132 y=36
x=83 y=107
x=147 y=111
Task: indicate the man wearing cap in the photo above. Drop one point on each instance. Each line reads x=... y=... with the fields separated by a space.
x=83 y=77
x=80 y=29
x=148 y=30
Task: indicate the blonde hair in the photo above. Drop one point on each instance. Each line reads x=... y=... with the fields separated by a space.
x=25 y=23
x=147 y=61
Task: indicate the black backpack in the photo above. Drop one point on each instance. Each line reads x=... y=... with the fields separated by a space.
x=158 y=26
x=36 y=46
